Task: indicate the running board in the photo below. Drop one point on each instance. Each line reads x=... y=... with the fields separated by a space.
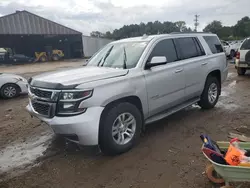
x=166 y=113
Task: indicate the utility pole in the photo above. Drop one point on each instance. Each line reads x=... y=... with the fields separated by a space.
x=196 y=22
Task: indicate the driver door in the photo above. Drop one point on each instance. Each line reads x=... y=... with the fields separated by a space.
x=165 y=83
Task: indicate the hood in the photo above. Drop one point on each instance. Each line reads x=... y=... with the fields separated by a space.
x=12 y=76
x=69 y=79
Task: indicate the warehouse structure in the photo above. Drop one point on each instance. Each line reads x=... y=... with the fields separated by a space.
x=26 y=33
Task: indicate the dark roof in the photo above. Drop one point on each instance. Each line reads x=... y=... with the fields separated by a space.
x=27 y=23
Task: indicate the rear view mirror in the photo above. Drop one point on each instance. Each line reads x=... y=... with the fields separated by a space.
x=157 y=60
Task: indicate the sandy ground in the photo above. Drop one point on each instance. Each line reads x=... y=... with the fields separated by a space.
x=168 y=154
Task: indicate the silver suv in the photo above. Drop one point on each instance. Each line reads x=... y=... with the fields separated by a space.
x=128 y=84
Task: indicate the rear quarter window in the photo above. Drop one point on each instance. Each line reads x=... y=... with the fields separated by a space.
x=214 y=44
x=189 y=47
x=245 y=45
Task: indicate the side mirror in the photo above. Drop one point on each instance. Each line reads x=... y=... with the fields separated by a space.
x=157 y=60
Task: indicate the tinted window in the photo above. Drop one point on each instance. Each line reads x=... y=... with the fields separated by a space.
x=188 y=47
x=199 y=47
x=245 y=45
x=165 y=48
x=214 y=44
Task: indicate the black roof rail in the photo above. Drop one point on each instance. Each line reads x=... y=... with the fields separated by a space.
x=189 y=32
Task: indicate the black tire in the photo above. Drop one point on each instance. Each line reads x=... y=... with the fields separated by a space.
x=204 y=101
x=13 y=87
x=43 y=58
x=106 y=142
x=247 y=56
x=232 y=54
x=241 y=71
x=55 y=57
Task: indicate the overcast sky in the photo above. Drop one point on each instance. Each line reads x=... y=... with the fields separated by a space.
x=104 y=15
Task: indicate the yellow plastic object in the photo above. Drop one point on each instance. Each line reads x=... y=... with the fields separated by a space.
x=244 y=164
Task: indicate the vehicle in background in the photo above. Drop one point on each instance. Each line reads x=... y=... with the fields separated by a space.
x=12 y=85
x=230 y=48
x=54 y=55
x=242 y=60
x=127 y=84
x=20 y=58
x=2 y=54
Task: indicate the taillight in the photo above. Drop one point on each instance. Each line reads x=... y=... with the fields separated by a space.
x=237 y=55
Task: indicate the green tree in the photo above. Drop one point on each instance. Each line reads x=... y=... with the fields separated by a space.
x=181 y=25
x=213 y=27
x=97 y=34
x=242 y=28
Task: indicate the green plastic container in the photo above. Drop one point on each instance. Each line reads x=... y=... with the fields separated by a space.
x=232 y=173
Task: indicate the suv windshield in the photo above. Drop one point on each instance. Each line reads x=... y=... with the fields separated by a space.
x=119 y=55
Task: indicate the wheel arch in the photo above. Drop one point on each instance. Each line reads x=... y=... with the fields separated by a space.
x=135 y=100
x=217 y=74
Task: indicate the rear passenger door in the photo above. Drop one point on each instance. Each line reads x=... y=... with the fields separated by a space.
x=195 y=66
x=165 y=83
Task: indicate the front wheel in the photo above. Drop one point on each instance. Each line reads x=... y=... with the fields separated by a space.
x=120 y=129
x=241 y=71
x=9 y=91
x=210 y=94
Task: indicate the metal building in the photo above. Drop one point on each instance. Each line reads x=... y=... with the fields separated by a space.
x=26 y=33
x=92 y=44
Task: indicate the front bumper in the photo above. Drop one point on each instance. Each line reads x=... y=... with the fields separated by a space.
x=85 y=126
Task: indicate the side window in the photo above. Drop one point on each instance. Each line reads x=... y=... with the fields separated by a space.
x=165 y=48
x=199 y=47
x=246 y=45
x=188 y=47
x=214 y=44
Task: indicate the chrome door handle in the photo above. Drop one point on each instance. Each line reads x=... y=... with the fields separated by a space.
x=178 y=70
x=204 y=63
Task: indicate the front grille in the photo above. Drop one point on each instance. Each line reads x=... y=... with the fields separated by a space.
x=41 y=108
x=41 y=93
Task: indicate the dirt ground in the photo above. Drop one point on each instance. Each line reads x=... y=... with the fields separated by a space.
x=168 y=154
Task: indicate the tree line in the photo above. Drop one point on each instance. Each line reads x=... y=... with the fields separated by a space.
x=149 y=28
x=239 y=31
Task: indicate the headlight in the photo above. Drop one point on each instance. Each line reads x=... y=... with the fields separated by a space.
x=69 y=102
x=75 y=95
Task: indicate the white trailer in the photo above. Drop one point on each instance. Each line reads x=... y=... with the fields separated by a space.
x=92 y=44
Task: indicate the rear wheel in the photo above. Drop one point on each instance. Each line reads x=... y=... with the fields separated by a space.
x=55 y=57
x=241 y=71
x=9 y=91
x=210 y=94
x=120 y=129
x=232 y=53
x=43 y=58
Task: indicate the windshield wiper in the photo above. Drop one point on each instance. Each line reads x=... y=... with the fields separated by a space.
x=125 y=58
x=105 y=57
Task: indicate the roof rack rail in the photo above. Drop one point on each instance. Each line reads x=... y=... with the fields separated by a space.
x=189 y=32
